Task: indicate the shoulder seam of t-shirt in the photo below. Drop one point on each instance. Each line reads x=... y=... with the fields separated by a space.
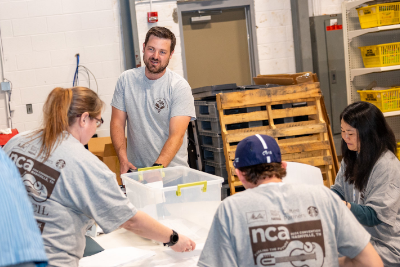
x=121 y=221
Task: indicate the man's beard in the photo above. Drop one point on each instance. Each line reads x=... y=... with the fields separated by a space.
x=153 y=69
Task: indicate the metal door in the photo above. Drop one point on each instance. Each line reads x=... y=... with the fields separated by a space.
x=329 y=64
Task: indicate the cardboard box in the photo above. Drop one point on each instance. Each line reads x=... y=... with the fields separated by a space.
x=286 y=79
x=103 y=148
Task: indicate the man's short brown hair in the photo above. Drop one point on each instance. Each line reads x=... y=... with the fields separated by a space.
x=163 y=33
x=255 y=173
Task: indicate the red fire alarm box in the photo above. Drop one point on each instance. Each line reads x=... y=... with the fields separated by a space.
x=152 y=17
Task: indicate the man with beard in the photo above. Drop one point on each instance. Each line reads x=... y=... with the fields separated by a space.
x=157 y=105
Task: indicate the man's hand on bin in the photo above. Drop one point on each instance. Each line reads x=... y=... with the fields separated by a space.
x=125 y=166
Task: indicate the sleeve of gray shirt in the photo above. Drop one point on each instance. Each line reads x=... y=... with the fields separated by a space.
x=383 y=190
x=339 y=181
x=97 y=194
x=218 y=250
x=182 y=100
x=118 y=100
x=351 y=237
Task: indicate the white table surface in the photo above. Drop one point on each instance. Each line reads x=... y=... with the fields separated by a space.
x=165 y=257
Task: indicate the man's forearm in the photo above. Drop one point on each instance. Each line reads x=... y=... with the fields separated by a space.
x=119 y=142
x=169 y=150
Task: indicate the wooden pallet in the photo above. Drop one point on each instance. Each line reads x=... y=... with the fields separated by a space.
x=303 y=141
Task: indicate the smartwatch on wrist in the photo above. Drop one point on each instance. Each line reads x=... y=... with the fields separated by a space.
x=157 y=164
x=173 y=239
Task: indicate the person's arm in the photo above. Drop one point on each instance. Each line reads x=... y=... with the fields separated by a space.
x=337 y=193
x=368 y=257
x=145 y=226
x=177 y=129
x=117 y=130
x=340 y=183
x=364 y=214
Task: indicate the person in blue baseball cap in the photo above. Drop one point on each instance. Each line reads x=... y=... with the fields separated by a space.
x=273 y=223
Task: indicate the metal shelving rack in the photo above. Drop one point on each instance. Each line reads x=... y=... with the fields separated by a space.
x=358 y=77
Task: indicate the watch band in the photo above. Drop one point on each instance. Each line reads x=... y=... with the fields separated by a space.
x=173 y=239
x=157 y=164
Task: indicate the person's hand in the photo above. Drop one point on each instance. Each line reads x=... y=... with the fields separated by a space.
x=125 y=166
x=184 y=244
x=347 y=204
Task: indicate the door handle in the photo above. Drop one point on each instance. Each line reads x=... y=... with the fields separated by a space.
x=333 y=77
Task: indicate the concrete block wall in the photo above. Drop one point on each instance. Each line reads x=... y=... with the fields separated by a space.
x=331 y=7
x=40 y=40
x=325 y=7
x=275 y=36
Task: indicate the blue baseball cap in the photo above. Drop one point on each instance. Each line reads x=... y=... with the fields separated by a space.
x=257 y=149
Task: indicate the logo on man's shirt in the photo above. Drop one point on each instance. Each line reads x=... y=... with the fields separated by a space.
x=300 y=243
x=312 y=211
x=38 y=178
x=160 y=104
x=256 y=216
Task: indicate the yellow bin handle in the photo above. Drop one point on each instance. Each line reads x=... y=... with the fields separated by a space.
x=180 y=186
x=148 y=169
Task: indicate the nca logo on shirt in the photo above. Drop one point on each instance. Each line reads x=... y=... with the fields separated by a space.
x=38 y=178
x=270 y=242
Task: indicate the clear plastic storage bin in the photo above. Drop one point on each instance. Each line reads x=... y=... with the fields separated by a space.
x=181 y=198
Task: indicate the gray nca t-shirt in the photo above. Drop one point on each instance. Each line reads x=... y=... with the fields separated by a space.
x=150 y=104
x=382 y=194
x=283 y=225
x=69 y=191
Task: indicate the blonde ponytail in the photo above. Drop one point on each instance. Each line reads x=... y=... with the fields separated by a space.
x=61 y=110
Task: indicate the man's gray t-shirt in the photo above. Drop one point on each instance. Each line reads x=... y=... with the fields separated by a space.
x=382 y=194
x=69 y=191
x=150 y=104
x=284 y=225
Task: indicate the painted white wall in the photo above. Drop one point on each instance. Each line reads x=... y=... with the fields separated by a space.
x=41 y=38
x=325 y=7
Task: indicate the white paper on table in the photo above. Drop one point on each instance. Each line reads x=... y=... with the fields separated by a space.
x=115 y=257
x=186 y=255
x=170 y=258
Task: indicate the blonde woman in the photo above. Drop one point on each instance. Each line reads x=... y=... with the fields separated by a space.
x=69 y=187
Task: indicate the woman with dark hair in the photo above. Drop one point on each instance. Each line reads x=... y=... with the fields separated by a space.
x=368 y=181
x=69 y=187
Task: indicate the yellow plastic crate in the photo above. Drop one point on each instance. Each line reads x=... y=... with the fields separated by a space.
x=379 y=15
x=385 y=100
x=398 y=150
x=381 y=55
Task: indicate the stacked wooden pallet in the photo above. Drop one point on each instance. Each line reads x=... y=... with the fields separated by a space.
x=306 y=141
